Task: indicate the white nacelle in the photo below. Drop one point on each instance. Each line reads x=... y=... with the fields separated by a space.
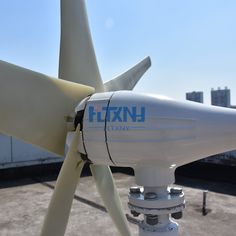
x=124 y=128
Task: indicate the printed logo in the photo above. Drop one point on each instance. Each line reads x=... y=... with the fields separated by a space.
x=116 y=114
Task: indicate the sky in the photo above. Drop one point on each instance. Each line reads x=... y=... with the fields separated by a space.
x=192 y=44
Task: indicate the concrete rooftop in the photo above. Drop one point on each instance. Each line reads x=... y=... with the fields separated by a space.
x=23 y=205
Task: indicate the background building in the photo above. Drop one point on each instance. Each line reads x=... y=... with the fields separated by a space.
x=195 y=96
x=15 y=153
x=220 y=97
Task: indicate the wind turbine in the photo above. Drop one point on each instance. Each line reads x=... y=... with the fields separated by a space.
x=103 y=126
x=40 y=110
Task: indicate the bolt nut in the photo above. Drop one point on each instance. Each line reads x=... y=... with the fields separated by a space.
x=134 y=213
x=176 y=190
x=152 y=219
x=135 y=190
x=177 y=215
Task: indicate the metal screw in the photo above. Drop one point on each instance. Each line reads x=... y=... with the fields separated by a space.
x=135 y=190
x=176 y=190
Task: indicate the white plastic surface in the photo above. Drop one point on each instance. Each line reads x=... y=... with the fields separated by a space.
x=130 y=78
x=77 y=57
x=173 y=133
x=60 y=205
x=170 y=230
x=110 y=196
x=93 y=132
x=34 y=106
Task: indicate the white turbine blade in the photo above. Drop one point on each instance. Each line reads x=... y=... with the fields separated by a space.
x=130 y=78
x=77 y=57
x=34 y=107
x=107 y=189
x=60 y=205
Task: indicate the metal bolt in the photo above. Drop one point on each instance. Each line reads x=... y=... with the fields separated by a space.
x=150 y=195
x=135 y=190
x=152 y=219
x=176 y=190
x=177 y=215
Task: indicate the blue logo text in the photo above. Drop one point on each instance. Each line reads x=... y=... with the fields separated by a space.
x=117 y=114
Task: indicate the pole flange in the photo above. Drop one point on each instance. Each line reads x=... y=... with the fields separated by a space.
x=157 y=205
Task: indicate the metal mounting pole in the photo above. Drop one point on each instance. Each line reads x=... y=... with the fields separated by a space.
x=204 y=210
